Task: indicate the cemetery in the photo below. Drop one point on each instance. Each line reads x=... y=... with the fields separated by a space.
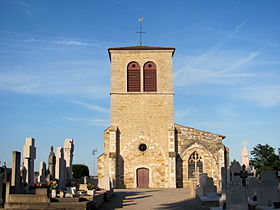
x=54 y=187
x=241 y=189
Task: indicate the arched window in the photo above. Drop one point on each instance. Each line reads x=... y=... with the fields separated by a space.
x=195 y=165
x=150 y=77
x=133 y=77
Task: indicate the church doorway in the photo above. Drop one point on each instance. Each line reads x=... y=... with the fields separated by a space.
x=142 y=177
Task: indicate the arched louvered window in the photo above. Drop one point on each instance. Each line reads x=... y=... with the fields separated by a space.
x=133 y=77
x=195 y=165
x=150 y=77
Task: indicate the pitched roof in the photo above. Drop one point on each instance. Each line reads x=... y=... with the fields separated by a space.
x=200 y=130
x=141 y=48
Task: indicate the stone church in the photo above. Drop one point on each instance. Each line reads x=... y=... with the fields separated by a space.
x=143 y=147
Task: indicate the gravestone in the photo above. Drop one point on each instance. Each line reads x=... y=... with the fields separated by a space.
x=224 y=174
x=42 y=172
x=206 y=185
x=15 y=179
x=236 y=198
x=29 y=154
x=245 y=156
x=23 y=174
x=268 y=189
x=253 y=187
x=51 y=163
x=105 y=183
x=60 y=168
x=68 y=156
x=243 y=174
x=2 y=189
x=235 y=180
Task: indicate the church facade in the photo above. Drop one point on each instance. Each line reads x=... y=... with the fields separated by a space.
x=143 y=147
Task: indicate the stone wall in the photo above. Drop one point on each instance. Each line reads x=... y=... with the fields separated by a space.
x=208 y=145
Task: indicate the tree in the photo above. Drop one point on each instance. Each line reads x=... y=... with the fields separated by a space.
x=233 y=162
x=264 y=158
x=79 y=171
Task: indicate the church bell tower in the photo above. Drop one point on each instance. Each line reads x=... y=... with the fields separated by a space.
x=139 y=146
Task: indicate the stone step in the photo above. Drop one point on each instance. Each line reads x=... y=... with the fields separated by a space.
x=68 y=199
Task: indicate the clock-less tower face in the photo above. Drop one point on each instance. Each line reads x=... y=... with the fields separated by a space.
x=142 y=109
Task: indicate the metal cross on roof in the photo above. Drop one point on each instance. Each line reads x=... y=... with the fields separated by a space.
x=140 y=32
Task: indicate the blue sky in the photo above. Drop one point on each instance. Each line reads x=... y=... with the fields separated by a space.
x=55 y=70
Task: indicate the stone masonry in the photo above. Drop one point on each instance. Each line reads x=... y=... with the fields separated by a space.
x=147 y=118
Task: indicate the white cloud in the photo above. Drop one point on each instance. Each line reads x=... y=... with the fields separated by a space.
x=82 y=82
x=97 y=122
x=227 y=111
x=63 y=42
x=221 y=67
x=262 y=95
x=92 y=106
x=183 y=114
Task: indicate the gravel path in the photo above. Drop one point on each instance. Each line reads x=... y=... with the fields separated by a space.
x=152 y=199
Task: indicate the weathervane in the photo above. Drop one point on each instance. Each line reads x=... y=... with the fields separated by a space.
x=140 y=19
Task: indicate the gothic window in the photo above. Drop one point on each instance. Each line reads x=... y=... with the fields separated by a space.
x=150 y=77
x=195 y=165
x=133 y=77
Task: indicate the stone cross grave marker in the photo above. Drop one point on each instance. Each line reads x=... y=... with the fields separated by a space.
x=29 y=154
x=243 y=174
x=60 y=168
x=68 y=156
x=236 y=168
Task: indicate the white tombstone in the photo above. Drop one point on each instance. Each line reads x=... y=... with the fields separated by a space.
x=105 y=183
x=60 y=168
x=42 y=172
x=245 y=156
x=235 y=179
x=206 y=185
x=253 y=187
x=268 y=189
x=68 y=156
x=29 y=154
x=236 y=198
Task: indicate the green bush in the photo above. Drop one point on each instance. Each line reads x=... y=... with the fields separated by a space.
x=79 y=171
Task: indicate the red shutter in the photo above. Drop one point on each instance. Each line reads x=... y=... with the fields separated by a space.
x=133 y=77
x=150 y=77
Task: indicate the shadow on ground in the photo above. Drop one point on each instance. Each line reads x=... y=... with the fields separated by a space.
x=130 y=200
x=121 y=199
x=189 y=204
